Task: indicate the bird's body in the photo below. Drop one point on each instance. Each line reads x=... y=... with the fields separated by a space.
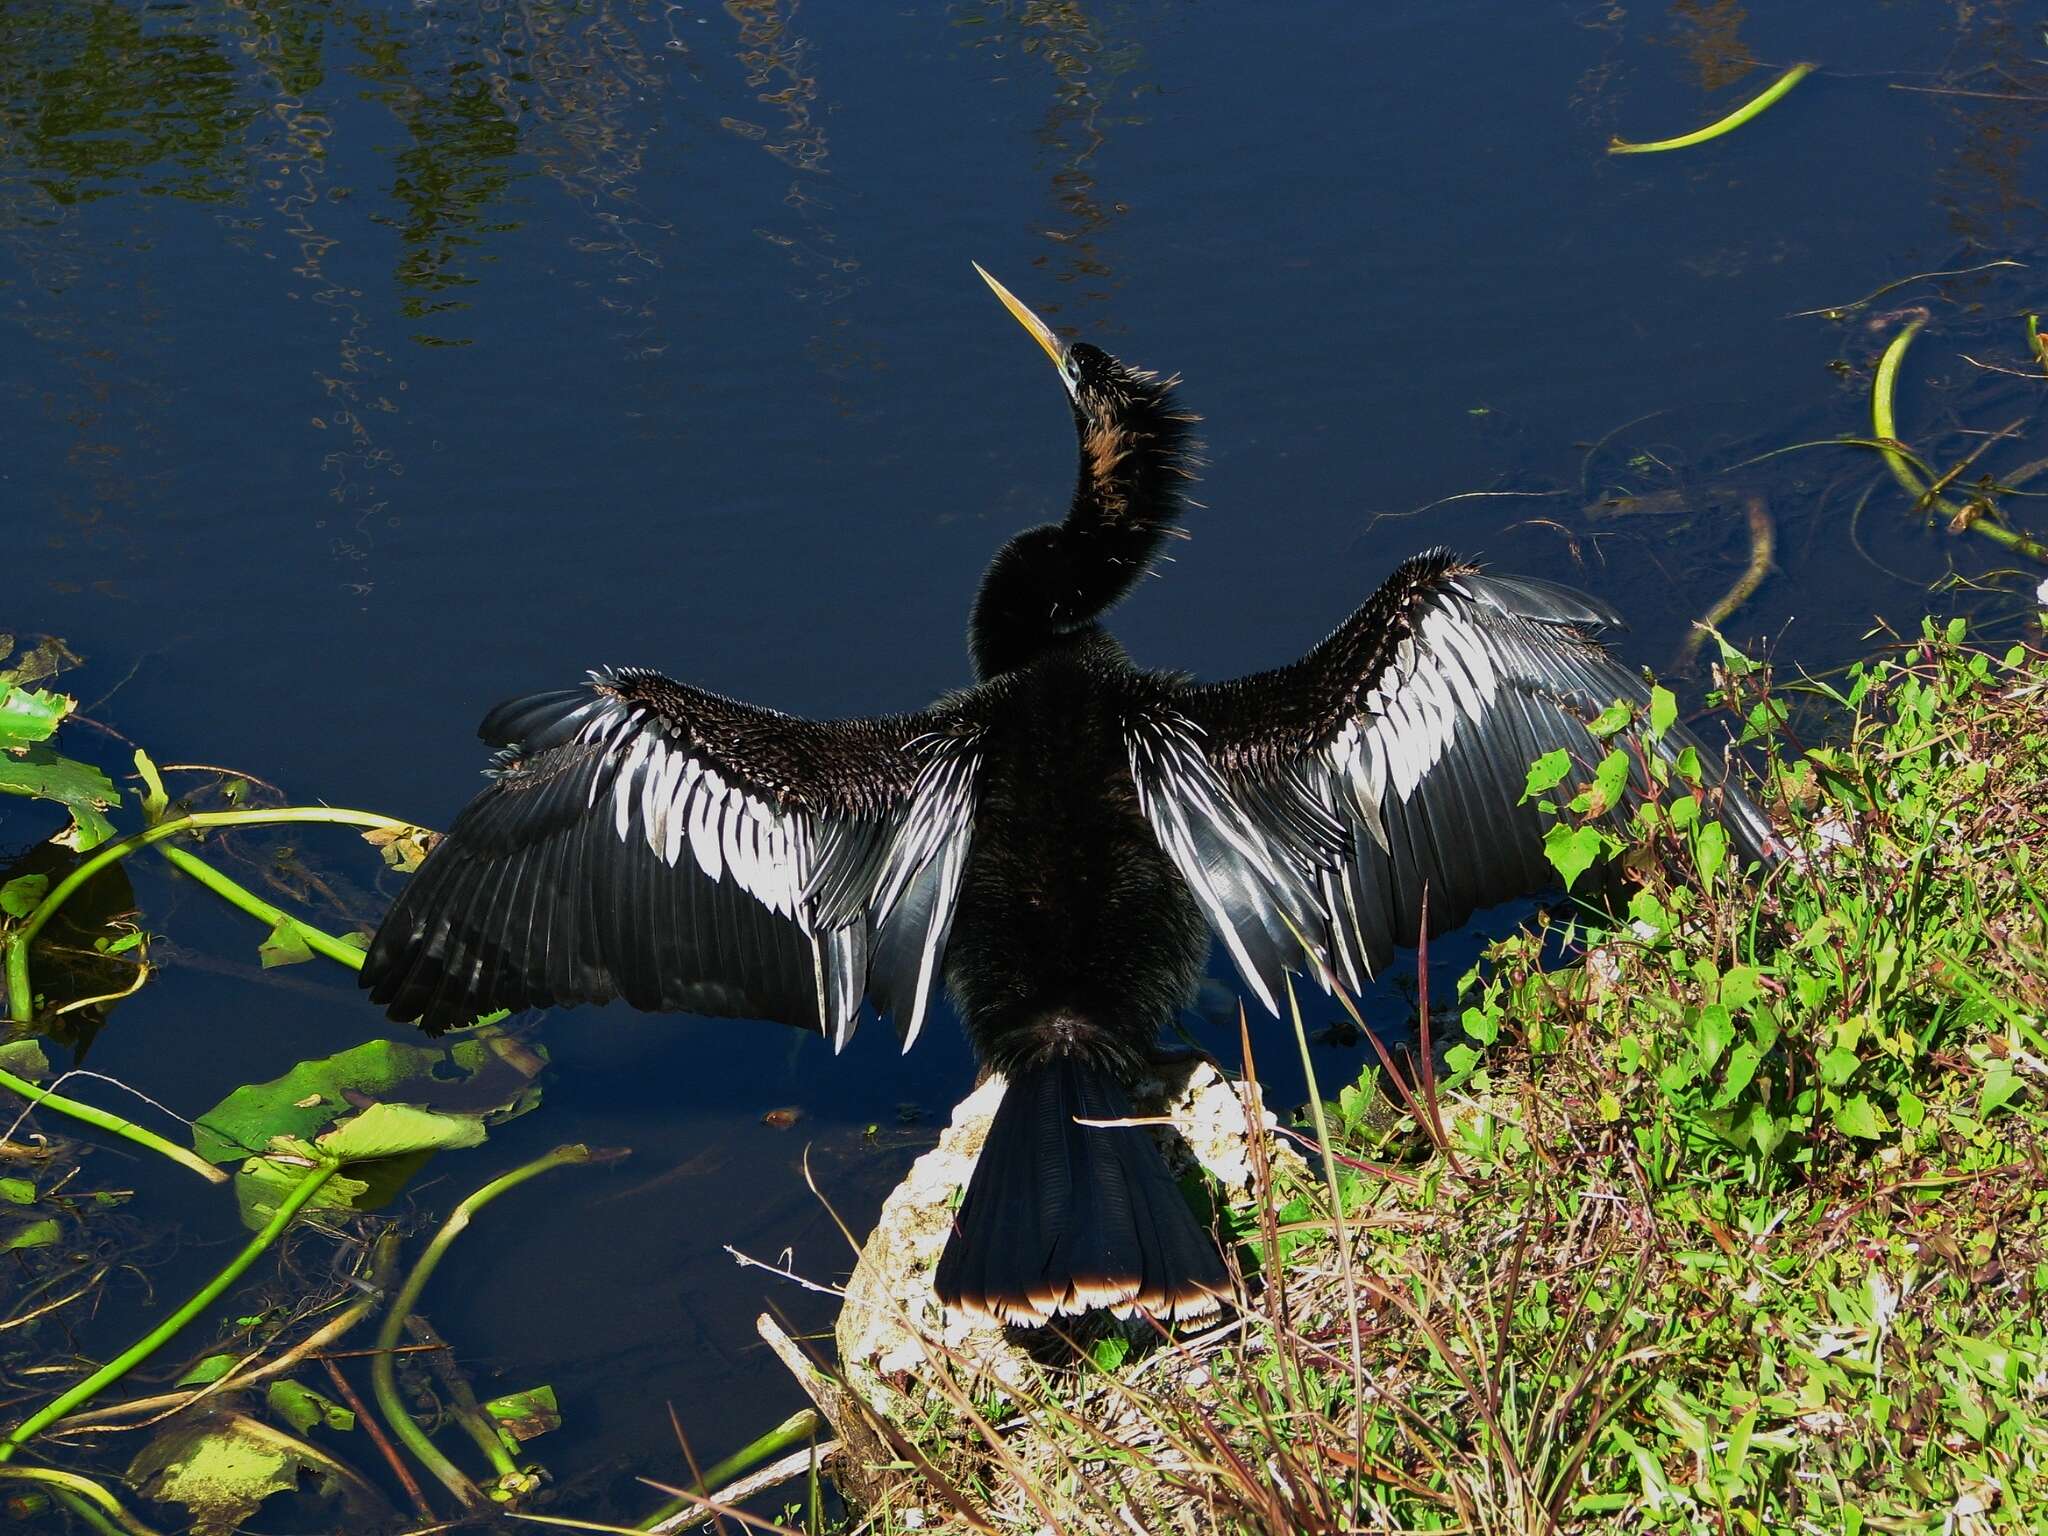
x=1057 y=841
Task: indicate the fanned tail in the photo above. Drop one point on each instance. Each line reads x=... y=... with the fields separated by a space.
x=1062 y=1218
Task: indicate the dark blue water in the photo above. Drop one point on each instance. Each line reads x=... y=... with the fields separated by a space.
x=364 y=364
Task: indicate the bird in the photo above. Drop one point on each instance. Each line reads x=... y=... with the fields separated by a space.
x=1053 y=846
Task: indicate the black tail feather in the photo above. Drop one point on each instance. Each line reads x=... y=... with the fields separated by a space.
x=1063 y=1218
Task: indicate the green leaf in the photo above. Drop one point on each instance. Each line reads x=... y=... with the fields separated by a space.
x=527 y=1414
x=29 y=715
x=35 y=1234
x=1547 y=772
x=1663 y=711
x=80 y=788
x=17 y=1191
x=207 y=1371
x=1571 y=850
x=1862 y=1119
x=1911 y=1110
x=18 y=897
x=487 y=1074
x=1740 y=987
x=304 y=1409
x=1610 y=779
x=1838 y=1066
x=1710 y=850
x=1715 y=1030
x=223 y=1468
x=2001 y=1085
x=154 y=801
x=1738 y=1074
x=262 y=1183
x=24 y=1058
x=399 y=1130
x=285 y=946
x=1612 y=720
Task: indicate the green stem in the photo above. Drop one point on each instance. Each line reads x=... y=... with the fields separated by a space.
x=383 y=1369
x=1742 y=114
x=1884 y=426
x=792 y=1431
x=83 y=1497
x=157 y=1337
x=21 y=1004
x=113 y=1125
x=275 y=917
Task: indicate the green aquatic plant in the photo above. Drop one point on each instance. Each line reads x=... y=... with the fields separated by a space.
x=1761 y=102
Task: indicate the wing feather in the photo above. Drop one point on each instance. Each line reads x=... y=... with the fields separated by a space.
x=1310 y=808
x=646 y=840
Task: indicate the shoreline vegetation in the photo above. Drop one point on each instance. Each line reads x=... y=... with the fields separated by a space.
x=1712 y=1207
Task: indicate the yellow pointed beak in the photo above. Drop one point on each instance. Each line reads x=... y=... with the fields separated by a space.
x=1040 y=331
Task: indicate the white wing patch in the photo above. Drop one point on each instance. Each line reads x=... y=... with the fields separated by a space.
x=682 y=800
x=1410 y=716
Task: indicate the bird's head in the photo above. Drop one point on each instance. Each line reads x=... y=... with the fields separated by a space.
x=1107 y=393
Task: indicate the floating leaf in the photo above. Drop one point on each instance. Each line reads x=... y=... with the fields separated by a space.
x=285 y=946
x=18 y=897
x=29 y=715
x=36 y=1234
x=17 y=1191
x=79 y=787
x=46 y=658
x=304 y=1409
x=223 y=1468
x=487 y=1074
x=399 y=1130
x=526 y=1414
x=262 y=1183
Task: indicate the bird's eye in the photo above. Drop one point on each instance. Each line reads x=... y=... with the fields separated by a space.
x=1070 y=365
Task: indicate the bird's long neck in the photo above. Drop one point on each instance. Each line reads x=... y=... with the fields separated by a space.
x=1136 y=457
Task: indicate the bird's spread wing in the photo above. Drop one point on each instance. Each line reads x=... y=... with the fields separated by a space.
x=647 y=840
x=1314 y=804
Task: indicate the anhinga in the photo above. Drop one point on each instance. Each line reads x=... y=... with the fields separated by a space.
x=1056 y=842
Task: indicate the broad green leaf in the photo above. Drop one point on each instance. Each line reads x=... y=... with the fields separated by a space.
x=17 y=1192
x=399 y=1130
x=1738 y=1074
x=207 y=1371
x=1610 y=779
x=304 y=1409
x=1663 y=711
x=35 y=1234
x=24 y=1058
x=527 y=1414
x=222 y=1469
x=1612 y=720
x=1739 y=987
x=2001 y=1086
x=1714 y=1032
x=1710 y=850
x=261 y=1185
x=1547 y=772
x=29 y=715
x=1571 y=850
x=1860 y=1118
x=487 y=1074
x=1838 y=1066
x=79 y=787
x=285 y=946
x=18 y=897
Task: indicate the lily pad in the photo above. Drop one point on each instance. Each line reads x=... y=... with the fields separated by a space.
x=488 y=1075
x=399 y=1130
x=223 y=1468
x=79 y=787
x=523 y=1415
x=29 y=715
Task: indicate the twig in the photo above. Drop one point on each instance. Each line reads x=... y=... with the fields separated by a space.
x=378 y=1438
x=787 y=1274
